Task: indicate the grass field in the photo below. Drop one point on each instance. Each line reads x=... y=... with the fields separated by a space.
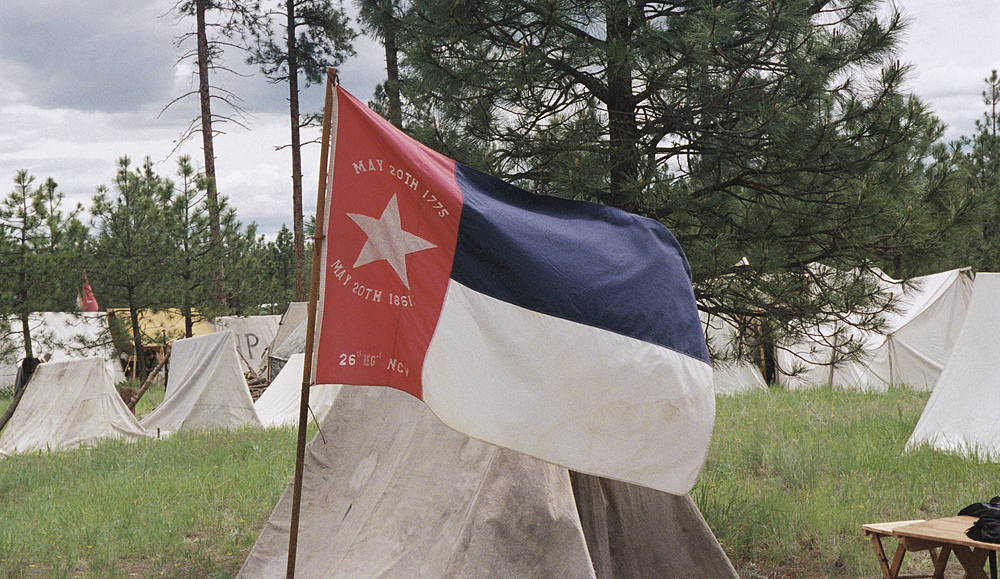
x=790 y=479
x=792 y=476
x=188 y=506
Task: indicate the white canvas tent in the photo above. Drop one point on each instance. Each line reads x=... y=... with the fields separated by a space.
x=253 y=335
x=390 y=492
x=728 y=376
x=912 y=349
x=63 y=336
x=960 y=415
x=807 y=362
x=294 y=315
x=294 y=343
x=921 y=336
x=292 y=320
x=817 y=358
x=206 y=388
x=68 y=404
x=279 y=404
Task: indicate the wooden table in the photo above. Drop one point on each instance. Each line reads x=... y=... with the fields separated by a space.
x=939 y=537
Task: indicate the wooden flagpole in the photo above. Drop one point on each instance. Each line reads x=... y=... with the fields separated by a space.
x=318 y=238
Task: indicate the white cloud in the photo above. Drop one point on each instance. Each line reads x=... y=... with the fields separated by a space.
x=86 y=83
x=952 y=48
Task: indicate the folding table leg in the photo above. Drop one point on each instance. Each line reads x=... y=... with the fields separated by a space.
x=940 y=560
x=889 y=570
x=897 y=560
x=972 y=561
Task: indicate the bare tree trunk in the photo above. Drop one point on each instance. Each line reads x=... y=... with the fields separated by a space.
x=298 y=229
x=26 y=335
x=140 y=358
x=188 y=318
x=208 y=144
x=13 y=406
x=149 y=380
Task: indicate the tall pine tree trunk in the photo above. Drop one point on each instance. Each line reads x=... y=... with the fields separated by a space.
x=140 y=357
x=392 y=78
x=26 y=334
x=22 y=292
x=208 y=145
x=298 y=230
x=187 y=310
x=623 y=131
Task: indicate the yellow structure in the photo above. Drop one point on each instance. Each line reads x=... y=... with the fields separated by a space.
x=158 y=327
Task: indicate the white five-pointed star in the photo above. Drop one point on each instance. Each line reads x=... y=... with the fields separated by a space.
x=387 y=240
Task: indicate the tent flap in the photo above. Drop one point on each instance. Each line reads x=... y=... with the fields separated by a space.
x=393 y=493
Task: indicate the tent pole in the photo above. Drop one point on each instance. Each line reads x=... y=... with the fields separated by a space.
x=318 y=238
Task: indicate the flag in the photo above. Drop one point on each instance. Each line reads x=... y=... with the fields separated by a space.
x=86 y=300
x=561 y=329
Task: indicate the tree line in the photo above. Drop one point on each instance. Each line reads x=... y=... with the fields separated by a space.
x=774 y=138
x=145 y=243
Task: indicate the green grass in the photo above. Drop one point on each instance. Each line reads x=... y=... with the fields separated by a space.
x=792 y=476
x=190 y=505
x=789 y=480
x=187 y=506
x=150 y=399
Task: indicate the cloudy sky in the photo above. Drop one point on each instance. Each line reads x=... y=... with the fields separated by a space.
x=85 y=83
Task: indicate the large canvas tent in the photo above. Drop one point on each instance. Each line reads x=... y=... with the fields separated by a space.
x=811 y=361
x=279 y=404
x=390 y=492
x=68 y=404
x=912 y=348
x=730 y=374
x=61 y=336
x=960 y=415
x=206 y=388
x=253 y=335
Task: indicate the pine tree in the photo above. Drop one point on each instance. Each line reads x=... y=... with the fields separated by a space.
x=383 y=19
x=267 y=272
x=38 y=244
x=314 y=35
x=196 y=253
x=982 y=164
x=773 y=138
x=234 y=22
x=132 y=243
